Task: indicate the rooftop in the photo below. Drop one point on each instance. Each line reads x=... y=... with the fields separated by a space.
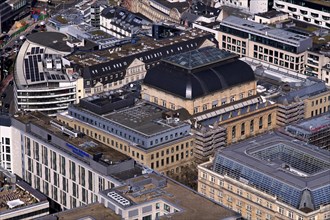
x=200 y=57
x=199 y=73
x=87 y=212
x=309 y=166
x=53 y=40
x=146 y=49
x=180 y=5
x=153 y=187
x=312 y=125
x=270 y=14
x=146 y=118
x=86 y=146
x=253 y=27
x=277 y=159
x=16 y=193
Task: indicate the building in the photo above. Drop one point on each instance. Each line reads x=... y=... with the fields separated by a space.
x=271 y=45
x=154 y=196
x=316 y=59
x=270 y=17
x=6 y=154
x=199 y=80
x=140 y=130
x=127 y=60
x=314 y=131
x=251 y=6
x=9 y=9
x=67 y=166
x=309 y=11
x=297 y=96
x=18 y=200
x=158 y=10
x=271 y=176
x=325 y=72
x=91 y=211
x=42 y=79
x=121 y=23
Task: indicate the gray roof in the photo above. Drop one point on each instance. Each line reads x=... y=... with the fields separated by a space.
x=264 y=30
x=243 y=153
x=312 y=125
x=280 y=166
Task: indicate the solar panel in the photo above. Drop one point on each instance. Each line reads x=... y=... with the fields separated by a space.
x=27 y=70
x=42 y=77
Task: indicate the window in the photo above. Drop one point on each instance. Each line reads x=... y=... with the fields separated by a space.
x=243 y=128
x=281 y=210
x=157 y=205
x=269 y=120
x=233 y=131
x=251 y=126
x=290 y=214
x=260 y=123
x=167 y=208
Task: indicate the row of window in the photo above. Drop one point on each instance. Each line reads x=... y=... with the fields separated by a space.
x=251 y=125
x=172 y=159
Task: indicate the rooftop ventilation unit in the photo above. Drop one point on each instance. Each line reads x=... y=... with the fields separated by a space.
x=118 y=198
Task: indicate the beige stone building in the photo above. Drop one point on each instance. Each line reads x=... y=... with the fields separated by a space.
x=167 y=152
x=244 y=180
x=199 y=80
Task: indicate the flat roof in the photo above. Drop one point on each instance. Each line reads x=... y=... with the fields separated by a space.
x=132 y=49
x=84 y=143
x=54 y=40
x=153 y=187
x=254 y=27
x=268 y=152
x=144 y=117
x=87 y=212
x=313 y=124
x=270 y=14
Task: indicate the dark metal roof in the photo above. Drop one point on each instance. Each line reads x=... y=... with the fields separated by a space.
x=148 y=56
x=201 y=81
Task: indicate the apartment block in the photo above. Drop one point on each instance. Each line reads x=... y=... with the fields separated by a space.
x=140 y=130
x=271 y=45
x=309 y=11
x=271 y=176
x=67 y=166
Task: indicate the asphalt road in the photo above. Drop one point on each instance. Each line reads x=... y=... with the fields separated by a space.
x=9 y=99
